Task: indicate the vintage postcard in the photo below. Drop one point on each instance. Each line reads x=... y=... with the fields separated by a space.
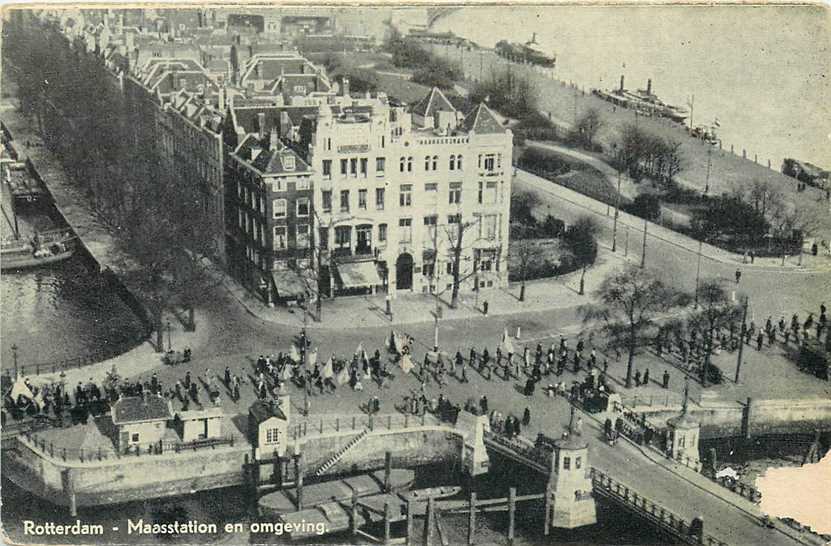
x=399 y=273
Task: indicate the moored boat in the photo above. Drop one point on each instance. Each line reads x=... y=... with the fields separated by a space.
x=44 y=248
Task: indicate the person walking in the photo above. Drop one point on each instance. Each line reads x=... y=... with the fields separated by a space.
x=645 y=380
x=526 y=417
x=738 y=276
x=666 y=379
x=637 y=378
x=760 y=340
x=483 y=404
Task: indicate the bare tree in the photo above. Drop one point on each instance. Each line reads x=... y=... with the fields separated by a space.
x=716 y=311
x=587 y=127
x=630 y=302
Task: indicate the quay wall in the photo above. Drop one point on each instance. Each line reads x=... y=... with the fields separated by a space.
x=758 y=418
x=411 y=448
x=130 y=478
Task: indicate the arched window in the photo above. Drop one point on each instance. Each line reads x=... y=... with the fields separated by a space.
x=401 y=165
x=459 y=162
x=452 y=162
x=427 y=163
x=435 y=162
x=410 y=164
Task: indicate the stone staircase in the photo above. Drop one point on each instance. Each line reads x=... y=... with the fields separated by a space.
x=332 y=461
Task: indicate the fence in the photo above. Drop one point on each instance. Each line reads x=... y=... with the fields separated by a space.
x=348 y=423
x=49 y=448
x=649 y=510
x=66 y=364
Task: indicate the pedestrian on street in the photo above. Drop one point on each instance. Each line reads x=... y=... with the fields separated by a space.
x=666 y=379
x=752 y=256
x=227 y=376
x=638 y=378
x=738 y=276
x=187 y=380
x=483 y=404
x=646 y=377
x=485 y=308
x=526 y=417
x=760 y=340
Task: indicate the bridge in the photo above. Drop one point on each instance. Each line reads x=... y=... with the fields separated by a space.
x=668 y=495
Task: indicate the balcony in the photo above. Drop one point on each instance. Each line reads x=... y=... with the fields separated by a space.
x=363 y=250
x=342 y=252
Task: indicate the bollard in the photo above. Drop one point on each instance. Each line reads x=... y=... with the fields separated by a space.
x=517 y=332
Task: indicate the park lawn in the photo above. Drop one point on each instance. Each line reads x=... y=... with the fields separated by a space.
x=590 y=182
x=544 y=258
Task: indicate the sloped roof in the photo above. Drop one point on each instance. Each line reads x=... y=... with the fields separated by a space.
x=482 y=121
x=312 y=82
x=435 y=101
x=133 y=409
x=271 y=161
x=261 y=411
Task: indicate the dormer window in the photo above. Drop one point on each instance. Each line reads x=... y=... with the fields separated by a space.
x=288 y=162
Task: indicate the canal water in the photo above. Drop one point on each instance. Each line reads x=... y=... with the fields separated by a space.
x=60 y=312
x=230 y=505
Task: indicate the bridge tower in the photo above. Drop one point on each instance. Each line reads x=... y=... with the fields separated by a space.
x=684 y=433
x=569 y=499
x=475 y=458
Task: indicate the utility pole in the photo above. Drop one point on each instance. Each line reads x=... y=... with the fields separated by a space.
x=698 y=273
x=643 y=255
x=626 y=244
x=741 y=337
x=617 y=213
x=709 y=164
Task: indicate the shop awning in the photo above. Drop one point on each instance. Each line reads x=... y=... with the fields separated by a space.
x=288 y=283
x=358 y=274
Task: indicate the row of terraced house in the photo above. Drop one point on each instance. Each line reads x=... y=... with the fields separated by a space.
x=316 y=190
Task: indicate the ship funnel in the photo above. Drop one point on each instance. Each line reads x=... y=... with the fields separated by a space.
x=649 y=86
x=621 y=83
x=534 y=38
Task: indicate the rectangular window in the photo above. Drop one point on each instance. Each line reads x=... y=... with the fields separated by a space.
x=405 y=228
x=430 y=226
x=272 y=436
x=427 y=163
x=405 y=198
x=566 y=463
x=327 y=169
x=454 y=218
x=455 y=193
x=490 y=193
x=343 y=236
x=324 y=237
x=302 y=184
x=362 y=199
x=578 y=462
x=364 y=166
x=134 y=437
x=303 y=206
x=302 y=236
x=343 y=166
x=379 y=198
x=489 y=162
x=382 y=233
x=344 y=200
x=327 y=201
x=279 y=237
x=401 y=164
x=353 y=167
x=279 y=208
x=487 y=228
x=380 y=165
x=431 y=187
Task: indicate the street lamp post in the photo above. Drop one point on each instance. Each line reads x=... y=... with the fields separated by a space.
x=617 y=207
x=741 y=337
x=643 y=255
x=709 y=163
x=169 y=339
x=626 y=244
x=698 y=273
x=14 y=358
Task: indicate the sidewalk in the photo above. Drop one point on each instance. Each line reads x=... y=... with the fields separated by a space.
x=410 y=308
x=573 y=198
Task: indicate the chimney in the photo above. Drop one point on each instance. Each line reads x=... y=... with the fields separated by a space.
x=649 y=86
x=261 y=125
x=345 y=86
x=621 y=83
x=273 y=141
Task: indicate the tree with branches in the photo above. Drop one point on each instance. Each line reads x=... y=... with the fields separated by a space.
x=715 y=311
x=630 y=301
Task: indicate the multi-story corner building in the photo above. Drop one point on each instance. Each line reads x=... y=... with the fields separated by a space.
x=402 y=196
x=270 y=242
